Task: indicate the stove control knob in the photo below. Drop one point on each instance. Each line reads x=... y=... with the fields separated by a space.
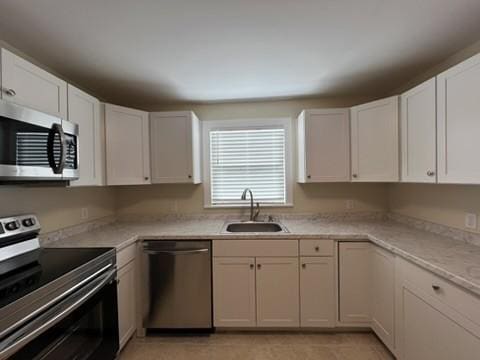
x=28 y=222
x=12 y=225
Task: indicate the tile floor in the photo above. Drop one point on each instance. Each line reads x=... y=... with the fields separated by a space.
x=258 y=346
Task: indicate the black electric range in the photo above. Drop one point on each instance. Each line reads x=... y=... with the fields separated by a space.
x=55 y=303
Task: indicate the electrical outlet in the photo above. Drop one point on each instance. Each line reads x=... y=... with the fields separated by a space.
x=471 y=221
x=84 y=214
x=349 y=204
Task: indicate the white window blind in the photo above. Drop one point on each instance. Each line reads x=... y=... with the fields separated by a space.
x=249 y=158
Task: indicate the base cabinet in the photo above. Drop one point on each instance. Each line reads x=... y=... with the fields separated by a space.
x=383 y=295
x=126 y=303
x=317 y=292
x=234 y=292
x=354 y=283
x=277 y=292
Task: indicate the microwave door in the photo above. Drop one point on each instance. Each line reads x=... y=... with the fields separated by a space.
x=28 y=144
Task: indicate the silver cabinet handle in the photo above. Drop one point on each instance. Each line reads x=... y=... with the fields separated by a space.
x=10 y=92
x=430 y=173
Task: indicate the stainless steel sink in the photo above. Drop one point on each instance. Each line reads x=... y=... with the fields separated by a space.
x=254 y=227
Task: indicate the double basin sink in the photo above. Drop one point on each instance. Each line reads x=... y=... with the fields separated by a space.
x=254 y=227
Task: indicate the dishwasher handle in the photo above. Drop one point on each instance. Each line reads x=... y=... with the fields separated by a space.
x=175 y=252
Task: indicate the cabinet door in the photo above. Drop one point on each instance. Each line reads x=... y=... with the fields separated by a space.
x=418 y=133
x=126 y=302
x=383 y=295
x=317 y=292
x=375 y=141
x=277 y=292
x=26 y=84
x=354 y=283
x=84 y=110
x=324 y=145
x=458 y=111
x=127 y=146
x=429 y=331
x=175 y=147
x=234 y=292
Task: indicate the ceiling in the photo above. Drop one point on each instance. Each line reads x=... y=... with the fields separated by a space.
x=146 y=52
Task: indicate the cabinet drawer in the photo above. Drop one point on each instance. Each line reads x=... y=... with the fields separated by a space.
x=247 y=248
x=316 y=247
x=461 y=301
x=125 y=255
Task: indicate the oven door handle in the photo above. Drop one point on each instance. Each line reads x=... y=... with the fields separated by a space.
x=51 y=317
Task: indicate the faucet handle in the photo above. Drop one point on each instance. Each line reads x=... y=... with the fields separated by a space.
x=257 y=211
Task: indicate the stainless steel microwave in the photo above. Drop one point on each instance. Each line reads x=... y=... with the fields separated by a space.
x=36 y=146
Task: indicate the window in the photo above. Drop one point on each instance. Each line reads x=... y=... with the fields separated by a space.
x=251 y=154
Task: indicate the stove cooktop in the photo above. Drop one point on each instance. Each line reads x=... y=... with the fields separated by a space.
x=49 y=264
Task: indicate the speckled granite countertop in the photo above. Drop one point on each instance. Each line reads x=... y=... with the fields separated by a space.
x=450 y=258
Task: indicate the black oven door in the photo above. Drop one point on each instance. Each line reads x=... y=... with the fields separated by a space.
x=84 y=326
x=36 y=146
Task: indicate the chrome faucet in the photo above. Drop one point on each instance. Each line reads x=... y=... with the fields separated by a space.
x=253 y=216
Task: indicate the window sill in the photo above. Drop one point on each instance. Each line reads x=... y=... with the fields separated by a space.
x=246 y=206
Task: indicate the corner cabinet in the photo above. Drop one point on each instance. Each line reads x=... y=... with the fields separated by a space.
x=458 y=111
x=354 y=283
x=127 y=146
x=85 y=111
x=28 y=85
x=375 y=141
x=175 y=147
x=418 y=133
x=323 y=139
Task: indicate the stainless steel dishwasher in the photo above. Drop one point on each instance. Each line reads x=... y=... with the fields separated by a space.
x=177 y=284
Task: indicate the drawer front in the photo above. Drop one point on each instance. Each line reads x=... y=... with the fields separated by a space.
x=246 y=248
x=316 y=247
x=126 y=255
x=461 y=301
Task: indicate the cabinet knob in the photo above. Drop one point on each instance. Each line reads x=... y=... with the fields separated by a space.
x=430 y=173
x=146 y=178
x=309 y=176
x=317 y=248
x=354 y=176
x=304 y=266
x=252 y=266
x=189 y=176
x=259 y=266
x=10 y=92
x=436 y=287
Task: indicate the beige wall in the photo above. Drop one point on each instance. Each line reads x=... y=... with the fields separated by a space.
x=161 y=199
x=57 y=207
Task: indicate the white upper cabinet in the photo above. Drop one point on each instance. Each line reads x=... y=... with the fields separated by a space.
x=458 y=116
x=418 y=133
x=175 y=147
x=84 y=110
x=323 y=139
x=26 y=84
x=375 y=141
x=127 y=146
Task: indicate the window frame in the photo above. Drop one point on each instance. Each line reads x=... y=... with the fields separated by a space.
x=250 y=124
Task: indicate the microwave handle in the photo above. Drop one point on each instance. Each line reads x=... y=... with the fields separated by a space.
x=56 y=129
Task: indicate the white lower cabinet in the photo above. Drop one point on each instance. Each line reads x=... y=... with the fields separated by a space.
x=277 y=292
x=317 y=292
x=437 y=320
x=354 y=283
x=383 y=295
x=234 y=292
x=126 y=294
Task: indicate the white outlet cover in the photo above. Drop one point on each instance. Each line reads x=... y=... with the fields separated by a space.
x=471 y=221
